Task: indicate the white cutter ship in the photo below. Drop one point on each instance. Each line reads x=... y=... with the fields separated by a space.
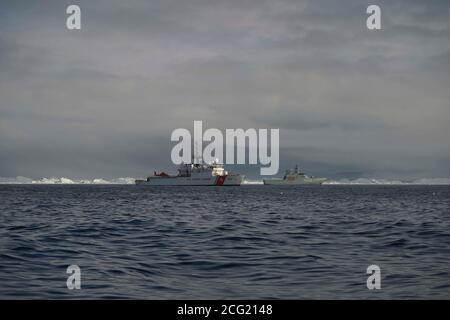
x=195 y=174
x=294 y=177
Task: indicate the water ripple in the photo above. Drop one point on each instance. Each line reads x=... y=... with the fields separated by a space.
x=248 y=242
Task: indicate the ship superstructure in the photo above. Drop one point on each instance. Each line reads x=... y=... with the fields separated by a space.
x=294 y=177
x=195 y=174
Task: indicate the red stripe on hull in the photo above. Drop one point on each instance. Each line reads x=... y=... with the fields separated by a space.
x=220 y=180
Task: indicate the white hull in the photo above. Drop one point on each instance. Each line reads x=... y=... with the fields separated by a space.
x=225 y=180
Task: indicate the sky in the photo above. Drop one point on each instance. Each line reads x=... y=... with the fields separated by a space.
x=103 y=101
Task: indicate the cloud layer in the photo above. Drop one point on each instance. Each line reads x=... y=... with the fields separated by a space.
x=103 y=101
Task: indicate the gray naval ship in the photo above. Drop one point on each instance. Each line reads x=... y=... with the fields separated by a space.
x=294 y=177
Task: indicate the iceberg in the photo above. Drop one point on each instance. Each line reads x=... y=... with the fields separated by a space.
x=129 y=180
x=63 y=180
x=374 y=181
x=252 y=182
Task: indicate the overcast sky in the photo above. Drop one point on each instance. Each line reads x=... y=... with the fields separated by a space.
x=103 y=101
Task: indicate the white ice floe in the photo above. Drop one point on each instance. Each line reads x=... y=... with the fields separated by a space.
x=368 y=181
x=15 y=180
x=63 y=180
x=365 y=181
x=432 y=181
x=252 y=182
x=129 y=180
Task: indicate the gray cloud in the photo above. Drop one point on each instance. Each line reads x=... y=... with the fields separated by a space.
x=103 y=101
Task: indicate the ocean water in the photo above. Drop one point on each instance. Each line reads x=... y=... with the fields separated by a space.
x=249 y=242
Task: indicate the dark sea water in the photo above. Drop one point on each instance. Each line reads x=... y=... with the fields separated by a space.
x=250 y=242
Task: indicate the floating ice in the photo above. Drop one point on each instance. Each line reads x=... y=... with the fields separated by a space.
x=432 y=181
x=129 y=180
x=63 y=180
x=15 y=180
x=252 y=182
x=369 y=181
